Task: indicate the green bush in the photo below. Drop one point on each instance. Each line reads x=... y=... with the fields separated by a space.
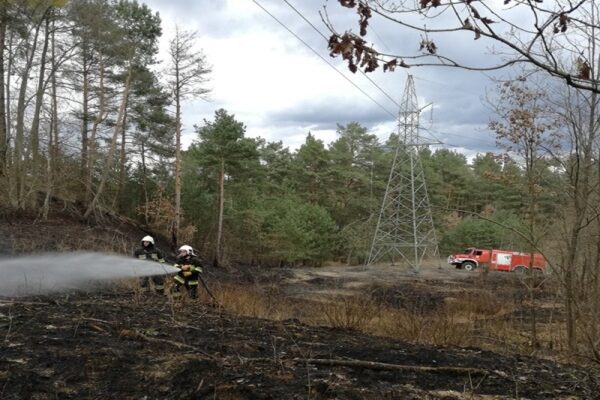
x=299 y=232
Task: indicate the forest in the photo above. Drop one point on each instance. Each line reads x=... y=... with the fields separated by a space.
x=91 y=124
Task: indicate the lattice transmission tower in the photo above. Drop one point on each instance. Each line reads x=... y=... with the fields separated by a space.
x=405 y=228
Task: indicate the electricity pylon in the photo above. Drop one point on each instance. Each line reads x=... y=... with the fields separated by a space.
x=405 y=227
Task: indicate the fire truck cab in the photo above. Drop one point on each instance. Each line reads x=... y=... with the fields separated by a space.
x=500 y=260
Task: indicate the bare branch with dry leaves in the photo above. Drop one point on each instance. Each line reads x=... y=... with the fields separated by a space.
x=554 y=38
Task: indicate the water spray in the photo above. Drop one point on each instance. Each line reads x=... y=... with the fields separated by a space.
x=51 y=273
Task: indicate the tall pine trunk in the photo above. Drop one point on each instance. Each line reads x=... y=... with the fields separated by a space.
x=3 y=133
x=581 y=205
x=145 y=183
x=218 y=254
x=91 y=149
x=117 y=203
x=34 y=132
x=177 y=221
x=9 y=70
x=85 y=120
x=19 y=156
x=52 y=158
x=113 y=148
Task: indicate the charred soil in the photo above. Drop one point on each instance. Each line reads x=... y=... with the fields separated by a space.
x=122 y=345
x=118 y=343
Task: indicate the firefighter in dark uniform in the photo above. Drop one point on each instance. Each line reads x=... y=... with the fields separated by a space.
x=151 y=253
x=190 y=268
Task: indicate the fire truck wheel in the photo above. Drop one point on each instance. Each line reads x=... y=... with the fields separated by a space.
x=468 y=266
x=520 y=269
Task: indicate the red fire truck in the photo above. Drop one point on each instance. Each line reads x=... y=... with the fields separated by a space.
x=501 y=260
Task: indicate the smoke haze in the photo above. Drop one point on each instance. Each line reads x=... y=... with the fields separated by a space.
x=49 y=273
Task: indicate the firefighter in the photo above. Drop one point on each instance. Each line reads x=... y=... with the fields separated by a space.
x=190 y=268
x=148 y=251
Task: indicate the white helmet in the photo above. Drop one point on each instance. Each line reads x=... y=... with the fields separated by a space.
x=148 y=239
x=187 y=250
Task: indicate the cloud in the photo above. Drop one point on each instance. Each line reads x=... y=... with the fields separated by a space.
x=326 y=115
x=280 y=89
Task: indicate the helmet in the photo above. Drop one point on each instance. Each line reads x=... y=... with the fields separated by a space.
x=187 y=250
x=148 y=239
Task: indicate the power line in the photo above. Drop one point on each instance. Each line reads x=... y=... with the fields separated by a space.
x=453 y=87
x=380 y=39
x=325 y=60
x=354 y=84
x=326 y=39
x=431 y=131
x=374 y=83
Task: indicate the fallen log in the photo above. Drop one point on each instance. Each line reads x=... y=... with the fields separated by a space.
x=393 y=367
x=377 y=365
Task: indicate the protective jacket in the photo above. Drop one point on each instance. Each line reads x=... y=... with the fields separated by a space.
x=151 y=253
x=188 y=276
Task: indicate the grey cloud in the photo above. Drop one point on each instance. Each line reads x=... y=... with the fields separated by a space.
x=214 y=18
x=323 y=115
x=458 y=97
x=462 y=110
x=457 y=94
x=470 y=137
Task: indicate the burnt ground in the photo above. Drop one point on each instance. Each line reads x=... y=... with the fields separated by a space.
x=23 y=232
x=116 y=344
x=119 y=345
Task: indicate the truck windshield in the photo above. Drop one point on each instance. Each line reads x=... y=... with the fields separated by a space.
x=469 y=250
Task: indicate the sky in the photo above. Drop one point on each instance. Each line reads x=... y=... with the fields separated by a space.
x=281 y=89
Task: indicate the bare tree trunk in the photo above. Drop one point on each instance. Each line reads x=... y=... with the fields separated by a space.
x=532 y=228
x=582 y=202
x=9 y=69
x=144 y=183
x=116 y=200
x=85 y=121
x=580 y=207
x=19 y=171
x=186 y=72
x=569 y=299
x=113 y=147
x=595 y=289
x=221 y=211
x=12 y=185
x=34 y=136
x=46 y=206
x=3 y=133
x=593 y=125
x=52 y=136
x=92 y=139
x=177 y=222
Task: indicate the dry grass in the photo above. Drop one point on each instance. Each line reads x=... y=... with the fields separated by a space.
x=440 y=328
x=348 y=312
x=252 y=301
x=474 y=318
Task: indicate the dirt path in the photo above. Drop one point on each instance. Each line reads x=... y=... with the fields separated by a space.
x=349 y=280
x=381 y=274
